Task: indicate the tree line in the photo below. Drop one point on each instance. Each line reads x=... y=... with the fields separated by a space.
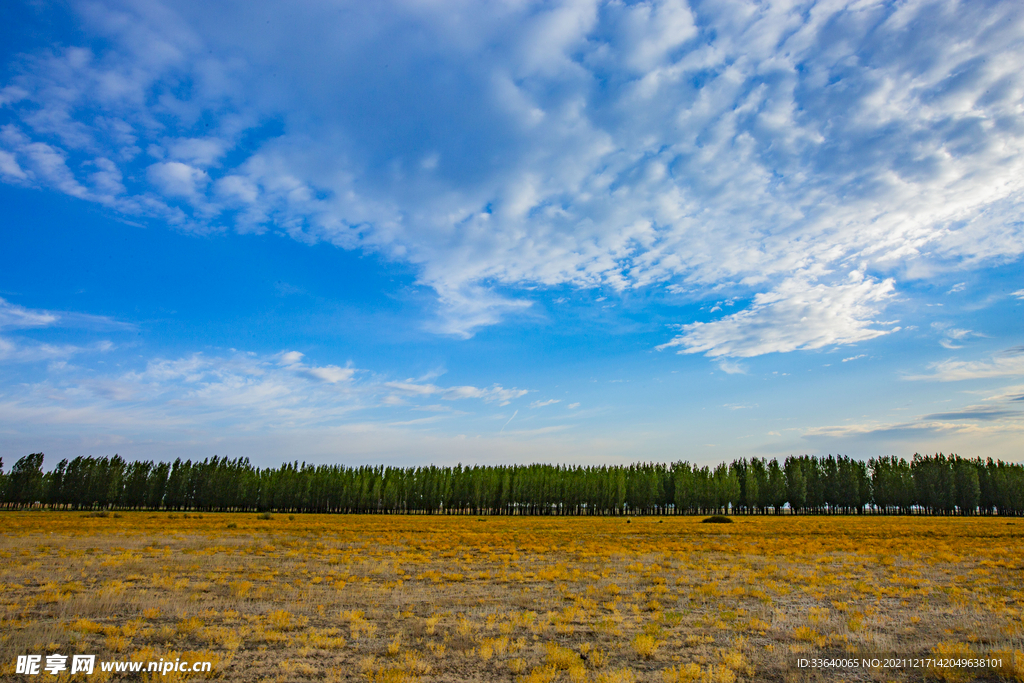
x=937 y=484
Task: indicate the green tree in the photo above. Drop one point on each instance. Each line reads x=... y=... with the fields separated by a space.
x=55 y=485
x=796 y=484
x=776 y=486
x=684 y=485
x=728 y=485
x=968 y=489
x=25 y=482
x=757 y=486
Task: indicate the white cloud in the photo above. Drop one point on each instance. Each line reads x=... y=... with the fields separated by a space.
x=541 y=404
x=731 y=367
x=107 y=179
x=176 y=179
x=857 y=357
x=411 y=387
x=10 y=168
x=28 y=351
x=1008 y=364
x=595 y=144
x=197 y=151
x=38 y=162
x=1014 y=394
x=958 y=333
x=971 y=429
x=239 y=392
x=798 y=314
x=493 y=393
x=13 y=316
x=953 y=335
x=332 y=373
x=291 y=357
x=466 y=309
x=237 y=190
x=19 y=349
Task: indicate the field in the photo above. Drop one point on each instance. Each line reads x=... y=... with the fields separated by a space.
x=386 y=598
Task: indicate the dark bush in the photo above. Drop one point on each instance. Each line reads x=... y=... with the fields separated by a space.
x=716 y=519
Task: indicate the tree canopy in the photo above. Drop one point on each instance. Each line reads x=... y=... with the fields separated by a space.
x=937 y=484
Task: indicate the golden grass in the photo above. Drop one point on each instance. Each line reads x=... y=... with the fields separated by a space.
x=430 y=598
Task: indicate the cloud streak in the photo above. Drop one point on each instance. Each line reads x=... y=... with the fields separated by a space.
x=240 y=392
x=1007 y=364
x=18 y=349
x=797 y=315
x=17 y=317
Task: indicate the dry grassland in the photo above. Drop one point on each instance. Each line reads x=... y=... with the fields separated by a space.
x=430 y=598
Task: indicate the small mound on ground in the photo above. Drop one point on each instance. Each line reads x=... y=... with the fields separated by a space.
x=716 y=519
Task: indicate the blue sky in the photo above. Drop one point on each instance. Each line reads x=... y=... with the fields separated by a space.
x=585 y=232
